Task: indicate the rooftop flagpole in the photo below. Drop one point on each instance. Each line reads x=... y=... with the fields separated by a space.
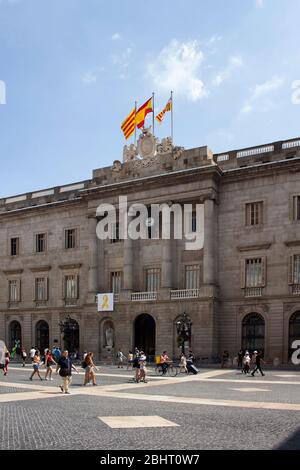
x=153 y=113
x=172 y=116
x=135 y=105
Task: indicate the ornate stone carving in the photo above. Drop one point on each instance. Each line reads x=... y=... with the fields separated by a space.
x=165 y=146
x=147 y=144
x=129 y=152
x=177 y=152
x=117 y=166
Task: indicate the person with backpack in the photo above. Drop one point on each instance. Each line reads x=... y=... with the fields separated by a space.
x=89 y=369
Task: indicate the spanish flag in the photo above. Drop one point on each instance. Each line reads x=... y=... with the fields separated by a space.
x=128 y=125
x=167 y=108
x=142 y=113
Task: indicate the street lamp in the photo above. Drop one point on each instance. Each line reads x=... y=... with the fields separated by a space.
x=68 y=328
x=184 y=327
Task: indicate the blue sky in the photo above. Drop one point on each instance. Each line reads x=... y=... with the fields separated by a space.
x=73 y=69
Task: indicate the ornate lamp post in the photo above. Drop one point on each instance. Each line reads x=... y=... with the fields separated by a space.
x=67 y=328
x=184 y=327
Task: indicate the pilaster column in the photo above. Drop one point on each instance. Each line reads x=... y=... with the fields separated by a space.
x=209 y=242
x=128 y=264
x=166 y=272
x=93 y=258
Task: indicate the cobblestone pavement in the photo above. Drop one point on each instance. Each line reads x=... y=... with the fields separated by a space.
x=216 y=409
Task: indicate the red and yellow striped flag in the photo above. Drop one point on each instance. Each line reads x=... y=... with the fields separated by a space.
x=142 y=113
x=167 y=108
x=128 y=125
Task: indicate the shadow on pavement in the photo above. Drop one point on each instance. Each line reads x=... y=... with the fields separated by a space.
x=291 y=443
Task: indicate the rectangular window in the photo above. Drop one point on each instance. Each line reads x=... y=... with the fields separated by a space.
x=41 y=290
x=254 y=213
x=14 y=291
x=70 y=238
x=71 y=287
x=115 y=282
x=254 y=272
x=296 y=270
x=194 y=222
x=152 y=279
x=296 y=208
x=14 y=246
x=40 y=242
x=192 y=277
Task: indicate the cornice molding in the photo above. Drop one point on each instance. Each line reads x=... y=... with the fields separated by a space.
x=256 y=247
x=70 y=266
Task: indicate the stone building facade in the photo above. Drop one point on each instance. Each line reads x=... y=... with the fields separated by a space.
x=241 y=290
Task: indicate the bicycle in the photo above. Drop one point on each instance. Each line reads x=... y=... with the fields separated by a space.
x=171 y=371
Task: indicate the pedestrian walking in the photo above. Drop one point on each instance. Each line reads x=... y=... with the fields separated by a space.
x=49 y=362
x=129 y=360
x=23 y=356
x=32 y=353
x=225 y=358
x=246 y=363
x=143 y=370
x=36 y=363
x=89 y=369
x=258 y=361
x=183 y=363
x=240 y=359
x=7 y=356
x=120 y=357
x=65 y=367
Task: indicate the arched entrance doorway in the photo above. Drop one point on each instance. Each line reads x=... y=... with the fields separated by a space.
x=15 y=334
x=253 y=333
x=42 y=336
x=294 y=330
x=71 y=335
x=144 y=334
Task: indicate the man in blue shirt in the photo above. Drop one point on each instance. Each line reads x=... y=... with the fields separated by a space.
x=65 y=366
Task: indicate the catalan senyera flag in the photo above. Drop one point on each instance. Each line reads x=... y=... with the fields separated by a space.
x=128 y=125
x=142 y=112
x=167 y=108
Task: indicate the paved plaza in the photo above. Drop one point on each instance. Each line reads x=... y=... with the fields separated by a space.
x=216 y=409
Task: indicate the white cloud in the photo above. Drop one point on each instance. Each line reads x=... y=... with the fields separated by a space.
x=89 y=78
x=116 y=36
x=260 y=3
x=122 y=59
x=177 y=68
x=234 y=63
x=259 y=96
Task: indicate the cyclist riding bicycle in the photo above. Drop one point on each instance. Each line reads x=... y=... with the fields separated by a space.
x=165 y=361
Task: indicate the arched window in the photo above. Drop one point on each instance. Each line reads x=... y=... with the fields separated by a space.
x=253 y=333
x=294 y=330
x=15 y=334
x=42 y=336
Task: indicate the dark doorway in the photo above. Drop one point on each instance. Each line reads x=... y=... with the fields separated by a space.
x=42 y=336
x=71 y=336
x=294 y=331
x=15 y=334
x=144 y=334
x=253 y=333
